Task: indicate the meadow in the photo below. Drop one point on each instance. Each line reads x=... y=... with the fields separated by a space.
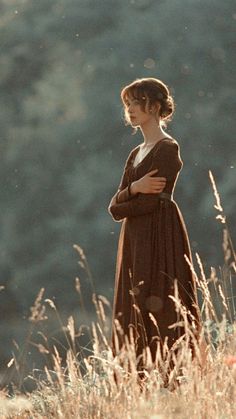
x=103 y=386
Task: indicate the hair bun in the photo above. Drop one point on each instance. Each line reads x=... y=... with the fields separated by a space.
x=167 y=108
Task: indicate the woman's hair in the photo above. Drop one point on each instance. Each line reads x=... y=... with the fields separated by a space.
x=150 y=90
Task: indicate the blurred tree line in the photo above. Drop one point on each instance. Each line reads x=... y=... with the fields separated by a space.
x=64 y=142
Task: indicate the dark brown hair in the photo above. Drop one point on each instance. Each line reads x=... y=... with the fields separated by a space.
x=150 y=90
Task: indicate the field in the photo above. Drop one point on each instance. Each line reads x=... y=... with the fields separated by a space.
x=103 y=386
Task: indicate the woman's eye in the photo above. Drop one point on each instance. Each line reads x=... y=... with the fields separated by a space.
x=135 y=101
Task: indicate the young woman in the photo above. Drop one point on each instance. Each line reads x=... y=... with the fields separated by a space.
x=153 y=238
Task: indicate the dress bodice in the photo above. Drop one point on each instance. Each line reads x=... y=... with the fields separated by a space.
x=164 y=156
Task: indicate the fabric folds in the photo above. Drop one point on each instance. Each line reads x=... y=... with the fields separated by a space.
x=151 y=256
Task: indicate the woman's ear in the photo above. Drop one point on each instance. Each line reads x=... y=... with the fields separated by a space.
x=155 y=108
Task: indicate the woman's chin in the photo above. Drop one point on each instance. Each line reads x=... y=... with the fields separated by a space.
x=134 y=123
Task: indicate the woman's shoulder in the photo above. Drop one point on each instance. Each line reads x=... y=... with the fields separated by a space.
x=168 y=147
x=170 y=140
x=170 y=143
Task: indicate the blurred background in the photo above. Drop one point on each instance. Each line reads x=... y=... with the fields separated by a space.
x=63 y=64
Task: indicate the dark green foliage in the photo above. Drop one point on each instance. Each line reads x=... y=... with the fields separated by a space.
x=64 y=144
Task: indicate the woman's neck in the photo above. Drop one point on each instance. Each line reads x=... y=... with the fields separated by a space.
x=152 y=133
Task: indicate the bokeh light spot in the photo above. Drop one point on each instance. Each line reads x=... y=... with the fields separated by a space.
x=187 y=115
x=149 y=63
x=201 y=93
x=185 y=69
x=154 y=303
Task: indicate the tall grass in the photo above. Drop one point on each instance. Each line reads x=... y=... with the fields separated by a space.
x=102 y=385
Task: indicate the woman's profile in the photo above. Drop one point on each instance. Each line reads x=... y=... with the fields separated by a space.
x=153 y=238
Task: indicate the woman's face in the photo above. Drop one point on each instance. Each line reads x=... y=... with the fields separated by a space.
x=134 y=112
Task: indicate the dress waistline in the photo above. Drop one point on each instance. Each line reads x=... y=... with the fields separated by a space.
x=166 y=195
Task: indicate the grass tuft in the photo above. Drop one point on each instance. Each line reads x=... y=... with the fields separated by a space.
x=102 y=385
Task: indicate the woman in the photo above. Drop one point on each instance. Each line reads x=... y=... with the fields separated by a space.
x=153 y=239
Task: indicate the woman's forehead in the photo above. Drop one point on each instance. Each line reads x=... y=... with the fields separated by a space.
x=135 y=94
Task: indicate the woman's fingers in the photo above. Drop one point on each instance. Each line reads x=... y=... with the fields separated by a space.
x=152 y=172
x=149 y=184
x=158 y=182
x=158 y=179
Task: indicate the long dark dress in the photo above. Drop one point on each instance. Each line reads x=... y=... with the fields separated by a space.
x=152 y=243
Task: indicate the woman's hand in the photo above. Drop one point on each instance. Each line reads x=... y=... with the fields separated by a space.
x=149 y=184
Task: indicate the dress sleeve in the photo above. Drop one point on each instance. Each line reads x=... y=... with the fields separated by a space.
x=168 y=162
x=123 y=192
x=141 y=204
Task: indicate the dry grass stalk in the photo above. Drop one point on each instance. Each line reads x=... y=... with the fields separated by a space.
x=105 y=385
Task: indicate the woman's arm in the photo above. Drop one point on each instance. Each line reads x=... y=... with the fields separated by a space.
x=124 y=193
x=128 y=190
x=140 y=205
x=168 y=162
